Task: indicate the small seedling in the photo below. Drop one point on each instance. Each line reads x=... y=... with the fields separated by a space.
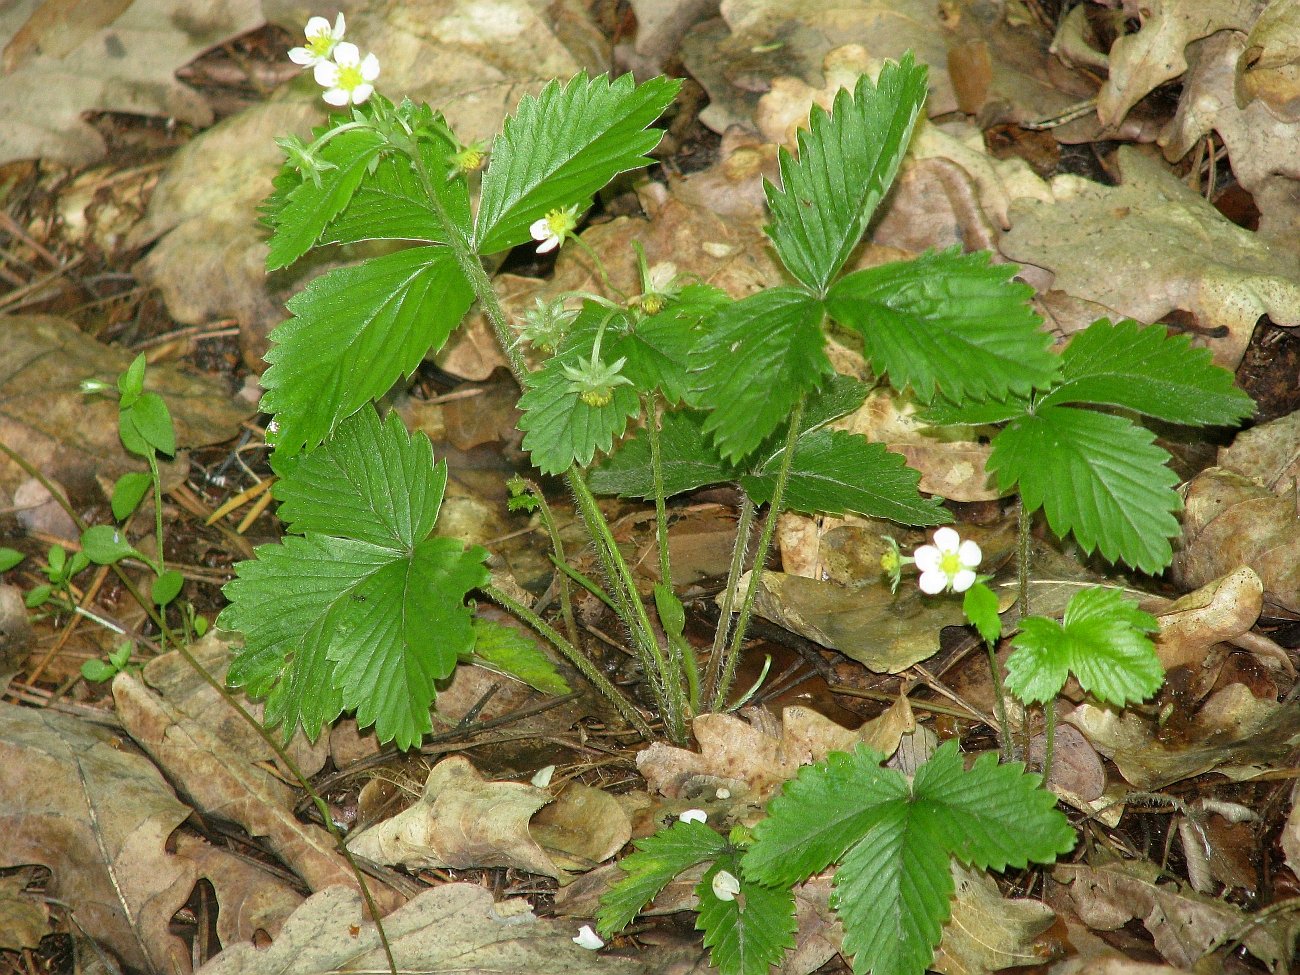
x=102 y=671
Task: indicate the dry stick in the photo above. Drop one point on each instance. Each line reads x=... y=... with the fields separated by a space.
x=280 y=751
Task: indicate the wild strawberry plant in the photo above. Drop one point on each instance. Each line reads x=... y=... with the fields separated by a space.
x=364 y=607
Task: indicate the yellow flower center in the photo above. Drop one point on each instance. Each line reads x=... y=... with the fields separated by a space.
x=597 y=398
x=350 y=77
x=950 y=563
x=560 y=222
x=320 y=44
x=890 y=562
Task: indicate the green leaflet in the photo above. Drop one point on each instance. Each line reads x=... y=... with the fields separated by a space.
x=1097 y=476
x=1102 y=641
x=657 y=860
x=749 y=934
x=1148 y=371
x=893 y=840
x=355 y=331
x=847 y=161
x=561 y=147
x=948 y=322
x=757 y=359
x=362 y=610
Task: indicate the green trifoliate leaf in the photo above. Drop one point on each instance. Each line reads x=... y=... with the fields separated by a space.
x=1102 y=641
x=355 y=331
x=1146 y=370
x=565 y=420
x=980 y=604
x=561 y=147
x=504 y=649
x=363 y=611
x=1097 y=476
x=847 y=161
x=302 y=207
x=835 y=472
x=657 y=860
x=750 y=932
x=950 y=322
x=895 y=838
x=757 y=358
x=689 y=461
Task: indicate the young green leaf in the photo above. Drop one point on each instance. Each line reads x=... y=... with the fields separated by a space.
x=146 y=426
x=1146 y=370
x=980 y=604
x=562 y=425
x=106 y=545
x=847 y=161
x=504 y=649
x=758 y=357
x=98 y=671
x=657 y=860
x=834 y=472
x=749 y=933
x=1102 y=641
x=128 y=492
x=167 y=587
x=895 y=838
x=1097 y=476
x=950 y=322
x=9 y=557
x=564 y=145
x=364 y=610
x=300 y=209
x=355 y=331
x=130 y=384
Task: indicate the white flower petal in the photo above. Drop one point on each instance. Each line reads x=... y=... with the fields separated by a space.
x=588 y=939
x=300 y=55
x=319 y=25
x=336 y=96
x=361 y=92
x=348 y=55
x=549 y=244
x=370 y=68
x=326 y=74
x=932 y=582
x=725 y=886
x=963 y=580
x=945 y=538
x=693 y=816
x=542 y=777
x=969 y=554
x=927 y=558
x=340 y=27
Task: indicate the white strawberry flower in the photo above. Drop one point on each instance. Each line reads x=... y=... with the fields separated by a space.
x=348 y=79
x=552 y=229
x=949 y=563
x=588 y=939
x=321 y=39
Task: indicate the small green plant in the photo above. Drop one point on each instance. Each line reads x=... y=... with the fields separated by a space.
x=102 y=671
x=59 y=569
x=889 y=837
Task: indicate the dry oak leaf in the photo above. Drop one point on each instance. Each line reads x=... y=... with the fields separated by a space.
x=449 y=928
x=1230 y=521
x=1142 y=61
x=759 y=755
x=250 y=899
x=988 y=932
x=1183 y=923
x=98 y=815
x=463 y=820
x=65 y=58
x=1150 y=246
x=1270 y=67
x=24 y=917
x=223 y=782
x=1195 y=628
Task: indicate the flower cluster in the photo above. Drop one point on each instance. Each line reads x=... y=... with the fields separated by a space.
x=339 y=68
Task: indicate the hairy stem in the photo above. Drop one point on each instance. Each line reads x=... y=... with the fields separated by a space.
x=557 y=545
x=999 y=704
x=728 y=669
x=744 y=526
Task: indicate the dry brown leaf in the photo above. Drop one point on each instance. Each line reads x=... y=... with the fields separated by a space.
x=1183 y=923
x=24 y=918
x=1142 y=61
x=1291 y=833
x=99 y=816
x=462 y=820
x=249 y=897
x=754 y=758
x=1230 y=521
x=73 y=437
x=1151 y=246
x=69 y=57
x=452 y=927
x=1268 y=453
x=223 y=782
x=1234 y=733
x=1195 y=628
x=988 y=932
x=1269 y=69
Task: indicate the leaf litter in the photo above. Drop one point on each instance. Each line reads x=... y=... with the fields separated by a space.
x=122 y=844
